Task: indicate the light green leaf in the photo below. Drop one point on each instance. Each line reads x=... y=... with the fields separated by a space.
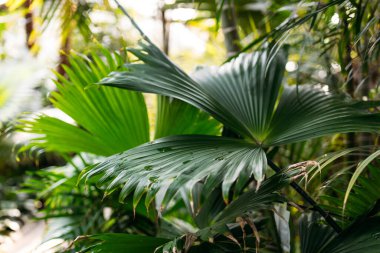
x=175 y=117
x=107 y=120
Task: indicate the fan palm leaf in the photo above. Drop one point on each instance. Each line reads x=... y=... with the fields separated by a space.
x=245 y=95
x=103 y=117
x=172 y=162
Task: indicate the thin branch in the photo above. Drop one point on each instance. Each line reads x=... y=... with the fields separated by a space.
x=310 y=200
x=133 y=22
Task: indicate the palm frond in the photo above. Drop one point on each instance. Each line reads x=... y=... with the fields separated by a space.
x=357 y=173
x=243 y=207
x=220 y=98
x=243 y=95
x=170 y=163
x=104 y=117
x=364 y=196
x=314 y=234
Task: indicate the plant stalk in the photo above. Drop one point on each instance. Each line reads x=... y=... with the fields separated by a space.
x=229 y=27
x=310 y=200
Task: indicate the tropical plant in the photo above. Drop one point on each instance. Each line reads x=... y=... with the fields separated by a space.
x=245 y=95
x=80 y=134
x=205 y=192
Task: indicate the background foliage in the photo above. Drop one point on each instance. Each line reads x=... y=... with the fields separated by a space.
x=188 y=169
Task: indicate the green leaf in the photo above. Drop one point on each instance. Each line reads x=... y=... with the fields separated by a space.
x=175 y=117
x=357 y=173
x=180 y=161
x=314 y=234
x=362 y=237
x=104 y=117
x=252 y=200
x=309 y=112
x=240 y=94
x=256 y=199
x=363 y=195
x=121 y=243
x=246 y=95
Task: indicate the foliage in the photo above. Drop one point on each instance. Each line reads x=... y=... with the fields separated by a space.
x=102 y=120
x=210 y=193
x=319 y=238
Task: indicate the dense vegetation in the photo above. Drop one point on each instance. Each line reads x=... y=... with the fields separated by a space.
x=275 y=150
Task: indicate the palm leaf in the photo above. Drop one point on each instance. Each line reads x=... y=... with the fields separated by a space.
x=104 y=117
x=362 y=237
x=121 y=243
x=319 y=238
x=314 y=234
x=252 y=200
x=357 y=173
x=243 y=93
x=243 y=206
x=362 y=199
x=173 y=162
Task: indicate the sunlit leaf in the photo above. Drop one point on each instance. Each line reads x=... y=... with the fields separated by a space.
x=105 y=118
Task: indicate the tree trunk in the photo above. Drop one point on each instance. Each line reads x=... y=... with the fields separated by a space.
x=229 y=27
x=165 y=31
x=63 y=59
x=28 y=24
x=347 y=61
x=232 y=43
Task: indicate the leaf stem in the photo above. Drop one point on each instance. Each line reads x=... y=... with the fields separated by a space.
x=310 y=200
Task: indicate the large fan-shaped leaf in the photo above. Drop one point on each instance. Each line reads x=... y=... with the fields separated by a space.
x=224 y=93
x=242 y=94
x=309 y=112
x=173 y=162
x=246 y=95
x=107 y=120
